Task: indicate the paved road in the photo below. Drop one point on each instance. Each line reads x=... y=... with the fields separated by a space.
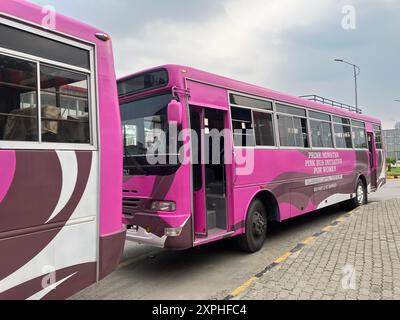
x=212 y=271
x=356 y=259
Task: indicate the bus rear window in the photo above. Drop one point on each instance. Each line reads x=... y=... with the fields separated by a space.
x=143 y=82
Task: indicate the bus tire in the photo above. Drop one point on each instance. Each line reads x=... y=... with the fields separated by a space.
x=256 y=228
x=361 y=197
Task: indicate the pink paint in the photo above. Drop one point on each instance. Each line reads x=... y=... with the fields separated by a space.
x=109 y=117
x=112 y=232
x=7 y=170
x=287 y=174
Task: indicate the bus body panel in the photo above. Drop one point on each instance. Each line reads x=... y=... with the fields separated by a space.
x=140 y=191
x=61 y=230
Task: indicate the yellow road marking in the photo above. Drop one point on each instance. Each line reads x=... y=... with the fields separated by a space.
x=327 y=229
x=341 y=219
x=283 y=258
x=308 y=240
x=243 y=287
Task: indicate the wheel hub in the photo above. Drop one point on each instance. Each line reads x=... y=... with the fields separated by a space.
x=259 y=224
x=360 y=194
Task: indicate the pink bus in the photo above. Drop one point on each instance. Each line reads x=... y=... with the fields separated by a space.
x=280 y=157
x=60 y=155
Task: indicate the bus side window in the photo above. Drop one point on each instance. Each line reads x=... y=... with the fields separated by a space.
x=65 y=106
x=264 y=129
x=242 y=124
x=293 y=131
x=18 y=100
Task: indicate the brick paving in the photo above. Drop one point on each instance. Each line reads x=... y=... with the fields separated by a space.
x=359 y=259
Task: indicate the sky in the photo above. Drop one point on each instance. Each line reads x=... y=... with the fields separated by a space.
x=284 y=45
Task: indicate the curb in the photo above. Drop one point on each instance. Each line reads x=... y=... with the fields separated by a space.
x=288 y=254
x=393 y=177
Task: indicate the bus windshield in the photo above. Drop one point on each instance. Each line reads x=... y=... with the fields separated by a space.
x=145 y=131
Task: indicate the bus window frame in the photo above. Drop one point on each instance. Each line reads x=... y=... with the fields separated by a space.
x=353 y=133
x=272 y=112
x=92 y=86
x=294 y=116
x=275 y=120
x=310 y=118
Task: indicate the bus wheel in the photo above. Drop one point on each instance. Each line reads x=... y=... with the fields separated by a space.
x=361 y=197
x=256 y=228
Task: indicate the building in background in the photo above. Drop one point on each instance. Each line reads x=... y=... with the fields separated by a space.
x=392 y=140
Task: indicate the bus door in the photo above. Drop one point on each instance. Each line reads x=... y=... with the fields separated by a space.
x=372 y=160
x=209 y=174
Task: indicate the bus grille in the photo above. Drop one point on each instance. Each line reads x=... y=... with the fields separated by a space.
x=130 y=205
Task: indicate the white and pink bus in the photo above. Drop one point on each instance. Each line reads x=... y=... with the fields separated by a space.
x=60 y=155
x=278 y=157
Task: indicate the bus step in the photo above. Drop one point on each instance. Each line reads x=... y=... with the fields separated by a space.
x=211 y=219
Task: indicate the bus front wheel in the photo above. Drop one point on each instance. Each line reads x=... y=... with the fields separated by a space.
x=256 y=228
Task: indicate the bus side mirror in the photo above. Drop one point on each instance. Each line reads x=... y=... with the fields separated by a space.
x=175 y=112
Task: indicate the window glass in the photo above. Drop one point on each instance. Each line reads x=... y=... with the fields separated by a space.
x=143 y=82
x=360 y=138
x=321 y=133
x=242 y=124
x=286 y=131
x=65 y=106
x=378 y=137
x=264 y=129
x=250 y=102
x=358 y=123
x=343 y=136
x=291 y=110
x=17 y=40
x=341 y=120
x=319 y=116
x=18 y=100
x=145 y=126
x=300 y=132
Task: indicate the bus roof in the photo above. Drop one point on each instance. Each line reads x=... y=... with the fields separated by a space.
x=246 y=88
x=24 y=11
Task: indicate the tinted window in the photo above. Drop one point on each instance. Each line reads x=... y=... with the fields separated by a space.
x=319 y=116
x=242 y=124
x=18 y=100
x=21 y=41
x=358 y=124
x=264 y=129
x=360 y=138
x=341 y=120
x=321 y=134
x=291 y=110
x=293 y=131
x=250 y=102
x=143 y=82
x=65 y=106
x=343 y=136
x=300 y=131
x=378 y=137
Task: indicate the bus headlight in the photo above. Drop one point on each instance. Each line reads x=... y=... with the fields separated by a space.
x=173 y=232
x=167 y=206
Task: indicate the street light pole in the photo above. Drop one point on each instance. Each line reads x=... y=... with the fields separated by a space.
x=357 y=72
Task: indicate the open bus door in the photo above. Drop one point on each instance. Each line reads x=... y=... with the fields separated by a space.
x=372 y=161
x=209 y=177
